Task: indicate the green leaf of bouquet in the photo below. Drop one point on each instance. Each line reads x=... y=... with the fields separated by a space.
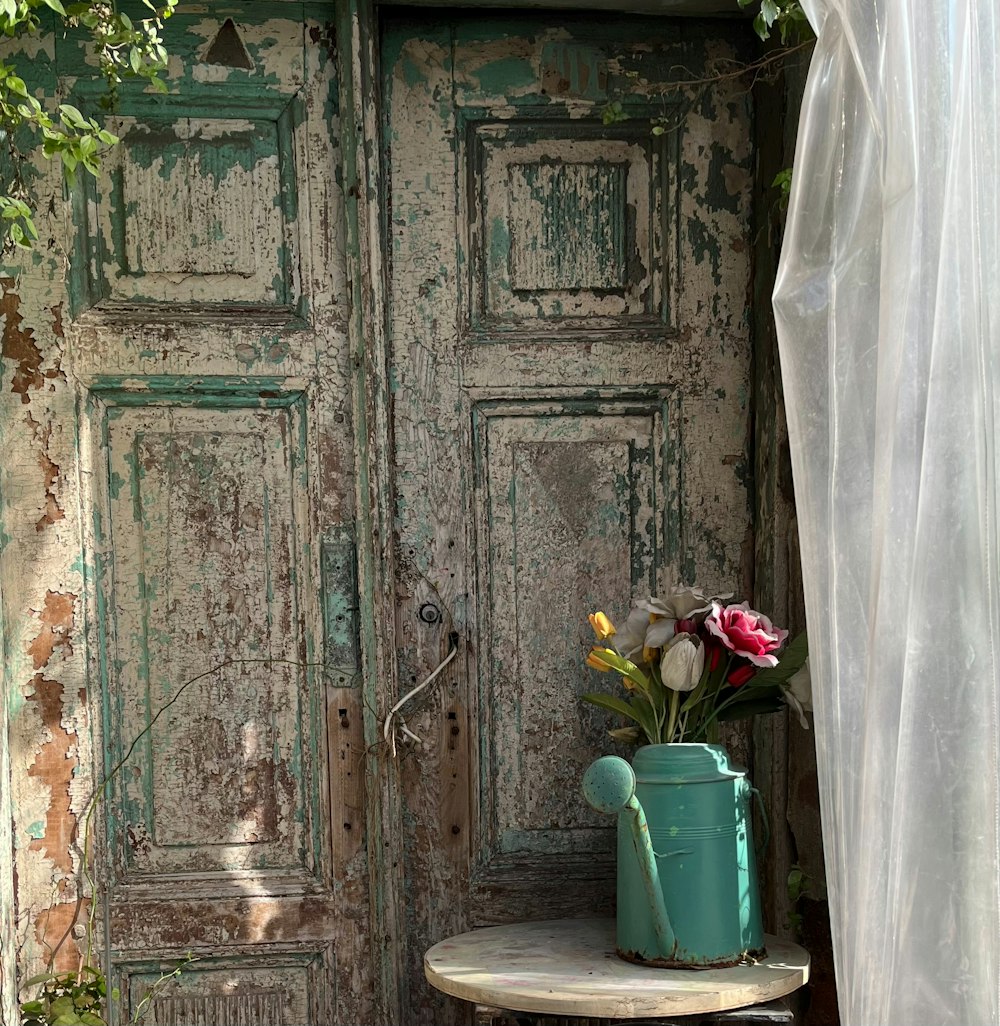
x=697 y=693
x=626 y=668
x=615 y=704
x=644 y=716
x=752 y=707
x=789 y=663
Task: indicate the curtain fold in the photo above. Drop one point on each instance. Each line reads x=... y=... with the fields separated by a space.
x=888 y=310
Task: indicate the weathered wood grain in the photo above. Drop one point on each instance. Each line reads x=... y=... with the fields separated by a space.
x=178 y=435
x=364 y=198
x=570 y=365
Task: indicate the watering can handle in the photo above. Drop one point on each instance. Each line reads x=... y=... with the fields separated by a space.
x=762 y=808
x=609 y=786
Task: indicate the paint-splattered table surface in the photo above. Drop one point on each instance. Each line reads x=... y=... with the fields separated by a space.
x=569 y=967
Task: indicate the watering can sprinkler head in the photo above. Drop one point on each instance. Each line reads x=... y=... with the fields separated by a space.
x=609 y=784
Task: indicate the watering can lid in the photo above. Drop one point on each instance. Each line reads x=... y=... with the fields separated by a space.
x=684 y=764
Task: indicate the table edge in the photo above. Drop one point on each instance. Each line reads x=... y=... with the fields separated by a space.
x=606 y=1007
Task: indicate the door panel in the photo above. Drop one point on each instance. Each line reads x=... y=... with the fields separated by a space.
x=570 y=363
x=204 y=565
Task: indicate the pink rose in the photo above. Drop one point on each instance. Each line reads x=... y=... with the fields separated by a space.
x=746 y=633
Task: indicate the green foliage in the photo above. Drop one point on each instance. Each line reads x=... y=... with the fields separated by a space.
x=79 y=998
x=783 y=183
x=124 y=49
x=786 y=16
x=801 y=885
x=613 y=112
x=67 y=999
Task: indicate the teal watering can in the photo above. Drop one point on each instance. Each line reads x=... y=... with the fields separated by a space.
x=687 y=877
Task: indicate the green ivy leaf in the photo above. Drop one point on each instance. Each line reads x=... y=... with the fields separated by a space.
x=33 y=981
x=72 y=116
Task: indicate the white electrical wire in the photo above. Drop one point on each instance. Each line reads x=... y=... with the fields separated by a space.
x=387 y=732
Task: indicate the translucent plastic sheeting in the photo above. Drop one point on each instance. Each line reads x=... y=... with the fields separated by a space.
x=888 y=304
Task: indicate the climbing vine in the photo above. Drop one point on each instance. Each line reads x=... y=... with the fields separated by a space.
x=788 y=20
x=124 y=49
x=784 y=16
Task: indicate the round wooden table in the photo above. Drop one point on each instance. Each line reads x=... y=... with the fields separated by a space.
x=569 y=967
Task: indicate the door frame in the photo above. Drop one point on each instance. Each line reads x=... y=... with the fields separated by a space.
x=357 y=33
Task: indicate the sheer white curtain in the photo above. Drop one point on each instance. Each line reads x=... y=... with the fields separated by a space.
x=888 y=305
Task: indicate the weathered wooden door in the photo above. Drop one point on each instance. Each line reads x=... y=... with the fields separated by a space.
x=178 y=562
x=570 y=361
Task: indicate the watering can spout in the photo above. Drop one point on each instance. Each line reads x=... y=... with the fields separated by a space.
x=609 y=786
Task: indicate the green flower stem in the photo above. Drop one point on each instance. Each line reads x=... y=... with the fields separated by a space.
x=675 y=705
x=737 y=694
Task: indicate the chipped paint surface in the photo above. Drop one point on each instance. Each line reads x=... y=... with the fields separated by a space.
x=570 y=361
x=569 y=368
x=175 y=415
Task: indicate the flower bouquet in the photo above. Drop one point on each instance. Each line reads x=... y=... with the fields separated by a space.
x=691 y=661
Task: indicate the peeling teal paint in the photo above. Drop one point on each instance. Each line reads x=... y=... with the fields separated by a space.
x=412 y=74
x=503 y=76
x=705 y=245
x=499 y=240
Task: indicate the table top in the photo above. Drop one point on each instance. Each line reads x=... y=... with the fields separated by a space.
x=569 y=967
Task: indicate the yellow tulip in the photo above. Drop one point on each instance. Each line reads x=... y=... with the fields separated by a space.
x=596 y=661
x=603 y=627
x=650 y=655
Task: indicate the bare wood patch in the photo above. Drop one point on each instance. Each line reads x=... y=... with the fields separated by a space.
x=18 y=344
x=55 y=763
x=55 y=924
x=56 y=617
